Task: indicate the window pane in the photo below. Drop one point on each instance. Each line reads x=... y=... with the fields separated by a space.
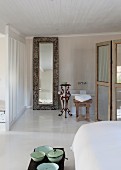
x=118 y=103
x=103 y=63
x=103 y=103
x=118 y=63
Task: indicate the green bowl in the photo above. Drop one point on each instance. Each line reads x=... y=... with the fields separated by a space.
x=56 y=160
x=44 y=149
x=49 y=166
x=55 y=156
x=37 y=156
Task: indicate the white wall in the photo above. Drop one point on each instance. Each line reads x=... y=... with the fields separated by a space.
x=2 y=68
x=76 y=60
x=29 y=70
x=15 y=85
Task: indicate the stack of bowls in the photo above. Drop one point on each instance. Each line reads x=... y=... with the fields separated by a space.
x=53 y=155
x=40 y=152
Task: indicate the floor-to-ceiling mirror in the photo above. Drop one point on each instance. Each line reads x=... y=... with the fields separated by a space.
x=45 y=73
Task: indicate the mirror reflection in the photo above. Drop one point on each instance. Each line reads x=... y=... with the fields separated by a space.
x=45 y=73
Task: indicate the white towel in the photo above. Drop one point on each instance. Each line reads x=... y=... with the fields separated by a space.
x=83 y=97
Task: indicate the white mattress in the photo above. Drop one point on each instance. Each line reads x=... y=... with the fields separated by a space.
x=97 y=146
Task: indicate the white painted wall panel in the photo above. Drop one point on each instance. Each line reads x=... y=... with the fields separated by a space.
x=16 y=74
x=2 y=68
x=29 y=72
x=15 y=77
x=10 y=78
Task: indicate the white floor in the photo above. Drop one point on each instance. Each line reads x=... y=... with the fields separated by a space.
x=33 y=129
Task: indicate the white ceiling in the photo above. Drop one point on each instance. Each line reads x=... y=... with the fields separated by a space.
x=61 y=17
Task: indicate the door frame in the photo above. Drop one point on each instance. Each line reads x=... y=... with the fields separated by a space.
x=106 y=84
x=115 y=85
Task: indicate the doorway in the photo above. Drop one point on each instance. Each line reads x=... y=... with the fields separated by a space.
x=108 y=80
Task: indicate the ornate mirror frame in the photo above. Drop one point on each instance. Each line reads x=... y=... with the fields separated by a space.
x=36 y=41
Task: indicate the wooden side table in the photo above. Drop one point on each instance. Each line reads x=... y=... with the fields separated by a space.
x=64 y=98
x=86 y=104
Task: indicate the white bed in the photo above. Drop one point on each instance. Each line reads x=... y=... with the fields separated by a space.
x=97 y=146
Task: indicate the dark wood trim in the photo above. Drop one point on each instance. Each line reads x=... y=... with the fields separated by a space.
x=106 y=84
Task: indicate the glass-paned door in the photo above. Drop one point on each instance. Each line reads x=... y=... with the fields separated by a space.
x=116 y=80
x=103 y=81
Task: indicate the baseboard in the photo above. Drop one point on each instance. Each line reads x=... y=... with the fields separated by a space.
x=29 y=107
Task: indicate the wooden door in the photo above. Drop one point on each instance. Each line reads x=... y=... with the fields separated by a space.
x=116 y=80
x=103 y=106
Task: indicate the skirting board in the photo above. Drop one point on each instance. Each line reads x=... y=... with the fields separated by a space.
x=29 y=107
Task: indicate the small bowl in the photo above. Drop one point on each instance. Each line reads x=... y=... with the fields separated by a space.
x=49 y=166
x=56 y=159
x=44 y=149
x=37 y=156
x=55 y=156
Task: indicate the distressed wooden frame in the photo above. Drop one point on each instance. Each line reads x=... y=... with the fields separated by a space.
x=54 y=105
x=105 y=84
x=115 y=85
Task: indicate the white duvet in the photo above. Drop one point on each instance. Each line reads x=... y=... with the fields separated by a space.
x=97 y=146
